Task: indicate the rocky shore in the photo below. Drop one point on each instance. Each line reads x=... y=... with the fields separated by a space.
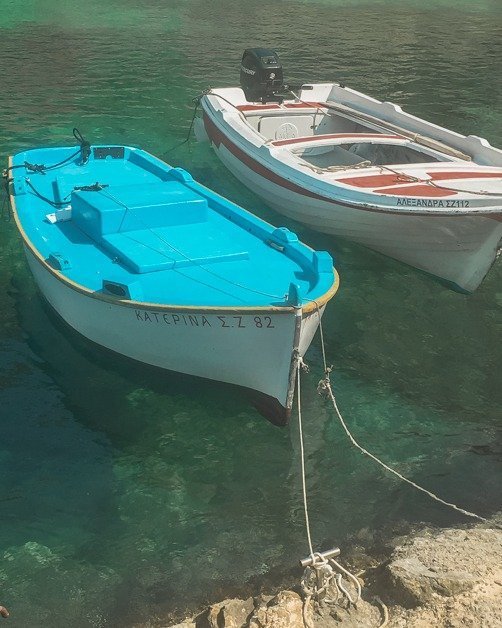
x=449 y=578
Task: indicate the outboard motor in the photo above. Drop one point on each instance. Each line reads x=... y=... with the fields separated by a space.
x=261 y=75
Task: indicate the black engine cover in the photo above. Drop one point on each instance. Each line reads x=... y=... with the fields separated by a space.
x=261 y=75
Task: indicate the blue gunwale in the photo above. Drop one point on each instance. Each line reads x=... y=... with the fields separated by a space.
x=234 y=244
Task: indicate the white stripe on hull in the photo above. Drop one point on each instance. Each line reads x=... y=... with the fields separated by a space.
x=458 y=248
x=250 y=350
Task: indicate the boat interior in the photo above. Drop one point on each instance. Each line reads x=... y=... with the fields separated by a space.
x=327 y=140
x=154 y=233
x=362 y=152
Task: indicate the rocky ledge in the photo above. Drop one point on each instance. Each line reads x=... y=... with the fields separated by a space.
x=448 y=579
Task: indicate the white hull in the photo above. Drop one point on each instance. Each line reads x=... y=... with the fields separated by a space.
x=441 y=213
x=256 y=350
x=459 y=248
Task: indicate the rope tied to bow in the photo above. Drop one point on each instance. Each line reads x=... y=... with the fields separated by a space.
x=322 y=580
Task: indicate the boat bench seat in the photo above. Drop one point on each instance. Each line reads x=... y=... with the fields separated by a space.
x=331 y=156
x=147 y=251
x=133 y=207
x=152 y=227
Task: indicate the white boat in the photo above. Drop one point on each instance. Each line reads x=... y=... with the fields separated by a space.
x=139 y=258
x=346 y=164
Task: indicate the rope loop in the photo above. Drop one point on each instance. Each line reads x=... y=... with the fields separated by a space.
x=303 y=365
x=325 y=383
x=85 y=146
x=196 y=100
x=37 y=168
x=323 y=582
x=322 y=578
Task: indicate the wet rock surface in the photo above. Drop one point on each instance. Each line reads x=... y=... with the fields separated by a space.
x=448 y=579
x=283 y=610
x=452 y=578
x=446 y=563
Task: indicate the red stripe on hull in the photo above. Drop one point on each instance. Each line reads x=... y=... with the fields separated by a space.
x=383 y=180
x=473 y=174
x=217 y=137
x=276 y=106
x=416 y=190
x=377 y=180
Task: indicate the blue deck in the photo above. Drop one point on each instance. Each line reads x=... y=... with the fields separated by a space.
x=148 y=232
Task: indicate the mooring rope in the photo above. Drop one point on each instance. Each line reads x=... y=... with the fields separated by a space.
x=301 y=364
x=319 y=170
x=196 y=102
x=325 y=387
x=385 y=611
x=323 y=571
x=322 y=574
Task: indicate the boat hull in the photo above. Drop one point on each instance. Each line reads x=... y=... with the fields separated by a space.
x=256 y=350
x=459 y=248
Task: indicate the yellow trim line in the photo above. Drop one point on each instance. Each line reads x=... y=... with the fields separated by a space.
x=307 y=308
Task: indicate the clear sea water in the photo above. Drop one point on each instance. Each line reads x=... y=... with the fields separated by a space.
x=128 y=494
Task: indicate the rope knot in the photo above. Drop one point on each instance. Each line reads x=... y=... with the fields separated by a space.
x=317 y=578
x=324 y=385
x=40 y=168
x=305 y=367
x=323 y=582
x=95 y=187
x=196 y=100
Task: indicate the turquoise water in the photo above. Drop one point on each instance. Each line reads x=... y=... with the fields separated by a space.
x=128 y=494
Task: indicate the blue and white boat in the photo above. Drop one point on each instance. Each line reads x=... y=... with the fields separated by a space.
x=141 y=259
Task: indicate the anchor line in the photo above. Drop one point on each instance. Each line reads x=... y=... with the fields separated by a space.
x=6 y=201
x=301 y=365
x=325 y=387
x=322 y=572
x=84 y=151
x=196 y=101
